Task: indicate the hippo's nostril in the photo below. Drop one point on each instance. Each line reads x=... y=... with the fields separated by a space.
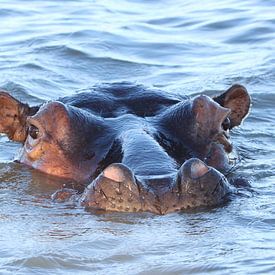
x=198 y=169
x=33 y=131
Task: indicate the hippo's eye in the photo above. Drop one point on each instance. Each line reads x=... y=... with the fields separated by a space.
x=33 y=131
x=226 y=124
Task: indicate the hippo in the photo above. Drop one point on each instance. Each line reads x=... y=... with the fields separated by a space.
x=132 y=148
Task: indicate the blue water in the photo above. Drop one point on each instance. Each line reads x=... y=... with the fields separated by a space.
x=53 y=48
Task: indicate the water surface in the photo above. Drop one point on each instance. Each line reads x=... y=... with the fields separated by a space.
x=53 y=48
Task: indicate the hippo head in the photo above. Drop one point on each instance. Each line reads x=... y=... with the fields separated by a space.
x=176 y=158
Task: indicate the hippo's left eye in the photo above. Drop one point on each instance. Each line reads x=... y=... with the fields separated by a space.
x=226 y=124
x=33 y=131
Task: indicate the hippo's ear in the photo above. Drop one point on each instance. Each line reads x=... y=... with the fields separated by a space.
x=13 y=116
x=237 y=99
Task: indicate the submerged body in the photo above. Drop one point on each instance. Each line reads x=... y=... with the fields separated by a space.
x=140 y=149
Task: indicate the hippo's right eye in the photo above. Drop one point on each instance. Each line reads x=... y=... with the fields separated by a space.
x=33 y=131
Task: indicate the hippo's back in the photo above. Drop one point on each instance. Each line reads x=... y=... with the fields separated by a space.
x=112 y=100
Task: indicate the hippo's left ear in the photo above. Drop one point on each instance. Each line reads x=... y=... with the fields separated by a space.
x=13 y=114
x=237 y=99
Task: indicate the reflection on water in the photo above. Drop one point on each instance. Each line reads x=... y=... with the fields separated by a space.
x=52 y=48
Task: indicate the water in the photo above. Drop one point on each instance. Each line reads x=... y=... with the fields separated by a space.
x=52 y=48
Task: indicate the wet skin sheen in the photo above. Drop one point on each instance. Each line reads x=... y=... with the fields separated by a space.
x=136 y=149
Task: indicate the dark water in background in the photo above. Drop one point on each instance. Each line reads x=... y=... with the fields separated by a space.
x=52 y=48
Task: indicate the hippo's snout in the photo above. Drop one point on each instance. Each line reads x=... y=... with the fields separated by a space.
x=200 y=184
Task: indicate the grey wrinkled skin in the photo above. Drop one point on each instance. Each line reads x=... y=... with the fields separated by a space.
x=134 y=148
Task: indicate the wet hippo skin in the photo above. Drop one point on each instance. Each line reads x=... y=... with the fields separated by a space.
x=136 y=149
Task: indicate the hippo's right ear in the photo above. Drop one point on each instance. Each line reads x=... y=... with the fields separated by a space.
x=13 y=116
x=237 y=99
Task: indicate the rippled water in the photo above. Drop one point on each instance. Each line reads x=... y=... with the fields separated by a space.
x=52 y=48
